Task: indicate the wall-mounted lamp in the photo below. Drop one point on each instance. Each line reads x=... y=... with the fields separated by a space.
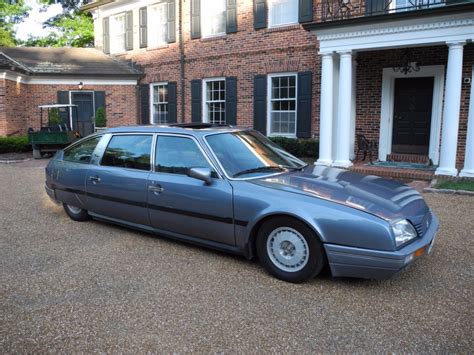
x=80 y=85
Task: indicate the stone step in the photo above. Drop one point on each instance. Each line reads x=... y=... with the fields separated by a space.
x=409 y=158
x=395 y=173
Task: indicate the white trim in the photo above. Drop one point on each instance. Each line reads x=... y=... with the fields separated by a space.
x=204 y=111
x=151 y=85
x=49 y=80
x=386 y=112
x=468 y=169
x=269 y=104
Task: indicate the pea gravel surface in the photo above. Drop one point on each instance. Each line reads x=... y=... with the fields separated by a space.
x=92 y=287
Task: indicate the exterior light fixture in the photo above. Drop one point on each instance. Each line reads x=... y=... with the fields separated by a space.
x=406 y=66
x=80 y=85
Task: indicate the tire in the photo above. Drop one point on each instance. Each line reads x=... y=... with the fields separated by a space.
x=36 y=153
x=75 y=213
x=289 y=250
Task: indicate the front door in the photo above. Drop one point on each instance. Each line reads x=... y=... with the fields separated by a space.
x=412 y=115
x=85 y=112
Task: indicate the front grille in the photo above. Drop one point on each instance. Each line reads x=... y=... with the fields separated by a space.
x=423 y=225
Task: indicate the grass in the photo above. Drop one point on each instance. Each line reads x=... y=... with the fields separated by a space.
x=455 y=185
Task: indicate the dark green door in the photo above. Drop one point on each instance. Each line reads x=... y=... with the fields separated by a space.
x=85 y=111
x=412 y=115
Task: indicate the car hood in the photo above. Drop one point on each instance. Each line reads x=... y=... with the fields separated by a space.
x=384 y=198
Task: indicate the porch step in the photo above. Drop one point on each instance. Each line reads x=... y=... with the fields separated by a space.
x=395 y=173
x=409 y=158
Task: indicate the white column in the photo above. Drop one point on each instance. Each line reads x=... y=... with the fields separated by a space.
x=326 y=110
x=344 y=104
x=468 y=169
x=452 y=104
x=353 y=107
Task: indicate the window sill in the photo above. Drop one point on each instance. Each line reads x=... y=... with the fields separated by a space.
x=284 y=28
x=161 y=46
x=214 y=38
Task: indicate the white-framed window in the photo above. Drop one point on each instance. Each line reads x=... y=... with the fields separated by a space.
x=409 y=5
x=282 y=104
x=158 y=24
x=213 y=17
x=282 y=12
x=159 y=103
x=117 y=33
x=214 y=100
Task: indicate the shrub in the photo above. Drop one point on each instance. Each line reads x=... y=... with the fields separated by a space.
x=53 y=117
x=14 y=144
x=301 y=148
x=100 y=117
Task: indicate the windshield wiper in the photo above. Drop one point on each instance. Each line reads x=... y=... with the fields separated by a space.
x=259 y=169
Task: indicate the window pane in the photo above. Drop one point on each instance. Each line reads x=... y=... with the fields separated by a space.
x=283 y=105
x=176 y=155
x=82 y=152
x=160 y=104
x=117 y=32
x=158 y=25
x=283 y=12
x=213 y=14
x=128 y=151
x=215 y=101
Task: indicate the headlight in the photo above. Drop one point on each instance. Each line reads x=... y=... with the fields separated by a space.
x=403 y=231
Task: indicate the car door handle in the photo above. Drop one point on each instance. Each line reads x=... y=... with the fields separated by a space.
x=94 y=179
x=156 y=189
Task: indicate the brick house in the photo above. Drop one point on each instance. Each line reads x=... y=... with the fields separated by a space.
x=30 y=77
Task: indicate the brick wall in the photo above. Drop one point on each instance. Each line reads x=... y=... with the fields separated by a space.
x=369 y=87
x=22 y=100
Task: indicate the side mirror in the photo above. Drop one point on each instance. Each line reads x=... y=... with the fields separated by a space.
x=203 y=174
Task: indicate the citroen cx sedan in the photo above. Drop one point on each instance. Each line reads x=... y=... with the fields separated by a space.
x=234 y=190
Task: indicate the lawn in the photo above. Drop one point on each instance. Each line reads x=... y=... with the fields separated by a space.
x=455 y=185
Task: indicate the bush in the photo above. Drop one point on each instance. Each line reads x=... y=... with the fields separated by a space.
x=14 y=144
x=53 y=117
x=100 y=118
x=301 y=148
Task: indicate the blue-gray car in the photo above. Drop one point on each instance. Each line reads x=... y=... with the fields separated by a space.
x=232 y=189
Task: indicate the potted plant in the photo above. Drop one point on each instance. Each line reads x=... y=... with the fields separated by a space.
x=100 y=119
x=54 y=118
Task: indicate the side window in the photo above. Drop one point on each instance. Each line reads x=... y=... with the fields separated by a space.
x=129 y=151
x=82 y=152
x=176 y=155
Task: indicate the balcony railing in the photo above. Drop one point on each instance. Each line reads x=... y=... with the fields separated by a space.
x=333 y=10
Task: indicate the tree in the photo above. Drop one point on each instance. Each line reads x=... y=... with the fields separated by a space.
x=11 y=13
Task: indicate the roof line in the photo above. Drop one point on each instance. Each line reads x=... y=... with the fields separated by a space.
x=92 y=5
x=20 y=65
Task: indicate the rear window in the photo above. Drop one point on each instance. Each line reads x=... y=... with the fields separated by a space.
x=129 y=151
x=82 y=152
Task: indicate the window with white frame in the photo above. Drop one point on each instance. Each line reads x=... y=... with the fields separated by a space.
x=117 y=33
x=158 y=24
x=282 y=104
x=213 y=17
x=159 y=103
x=214 y=100
x=282 y=12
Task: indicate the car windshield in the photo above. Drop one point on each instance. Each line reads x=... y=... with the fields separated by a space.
x=250 y=154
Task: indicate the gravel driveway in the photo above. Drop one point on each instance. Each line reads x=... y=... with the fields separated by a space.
x=94 y=287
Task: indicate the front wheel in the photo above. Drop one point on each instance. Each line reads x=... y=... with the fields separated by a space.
x=289 y=250
x=75 y=213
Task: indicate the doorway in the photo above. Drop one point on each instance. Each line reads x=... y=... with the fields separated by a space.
x=412 y=112
x=85 y=111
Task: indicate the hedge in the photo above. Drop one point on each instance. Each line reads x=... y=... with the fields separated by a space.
x=14 y=144
x=301 y=148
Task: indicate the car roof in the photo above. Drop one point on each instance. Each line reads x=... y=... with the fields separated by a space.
x=196 y=129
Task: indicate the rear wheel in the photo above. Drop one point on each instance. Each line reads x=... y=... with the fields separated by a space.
x=290 y=250
x=76 y=213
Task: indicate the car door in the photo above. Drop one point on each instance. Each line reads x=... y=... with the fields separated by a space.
x=117 y=185
x=185 y=205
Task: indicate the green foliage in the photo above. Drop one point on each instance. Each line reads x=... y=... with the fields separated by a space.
x=14 y=144
x=72 y=29
x=53 y=117
x=11 y=13
x=467 y=185
x=301 y=148
x=100 y=117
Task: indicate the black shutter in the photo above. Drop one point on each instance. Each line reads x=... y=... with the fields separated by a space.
x=171 y=21
x=231 y=100
x=144 y=104
x=305 y=11
x=195 y=19
x=172 y=103
x=303 y=121
x=376 y=7
x=63 y=98
x=99 y=100
x=142 y=22
x=129 y=30
x=259 y=14
x=260 y=103
x=196 y=97
x=231 y=16
x=105 y=35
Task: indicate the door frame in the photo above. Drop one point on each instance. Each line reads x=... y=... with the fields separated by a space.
x=93 y=103
x=387 y=108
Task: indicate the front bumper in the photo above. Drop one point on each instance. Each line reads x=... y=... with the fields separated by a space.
x=51 y=193
x=377 y=264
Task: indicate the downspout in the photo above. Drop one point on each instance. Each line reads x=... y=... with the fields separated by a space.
x=182 y=58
